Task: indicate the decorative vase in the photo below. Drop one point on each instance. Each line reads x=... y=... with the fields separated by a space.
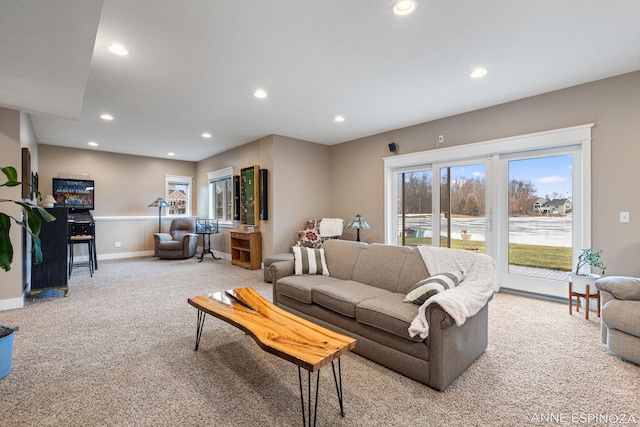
x=465 y=236
x=579 y=283
x=6 y=351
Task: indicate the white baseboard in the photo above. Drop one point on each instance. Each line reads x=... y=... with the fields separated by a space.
x=10 y=304
x=120 y=255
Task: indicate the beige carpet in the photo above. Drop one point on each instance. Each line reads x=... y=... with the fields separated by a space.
x=118 y=351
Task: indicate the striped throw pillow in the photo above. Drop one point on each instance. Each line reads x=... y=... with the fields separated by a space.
x=425 y=289
x=309 y=261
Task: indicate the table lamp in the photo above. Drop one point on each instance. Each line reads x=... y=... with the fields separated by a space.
x=358 y=222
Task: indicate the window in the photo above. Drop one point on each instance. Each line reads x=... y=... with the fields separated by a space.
x=178 y=194
x=221 y=194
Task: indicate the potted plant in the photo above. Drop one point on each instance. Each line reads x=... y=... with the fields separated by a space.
x=6 y=349
x=579 y=278
x=464 y=234
x=32 y=225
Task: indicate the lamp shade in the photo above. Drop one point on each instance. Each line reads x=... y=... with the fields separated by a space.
x=159 y=203
x=358 y=222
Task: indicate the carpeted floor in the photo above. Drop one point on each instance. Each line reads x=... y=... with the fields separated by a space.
x=118 y=351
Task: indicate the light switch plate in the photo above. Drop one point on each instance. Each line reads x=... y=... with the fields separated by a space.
x=624 y=216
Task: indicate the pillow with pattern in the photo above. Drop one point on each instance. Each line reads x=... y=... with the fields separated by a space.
x=309 y=261
x=309 y=238
x=426 y=288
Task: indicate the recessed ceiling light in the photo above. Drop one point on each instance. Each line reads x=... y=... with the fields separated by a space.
x=170 y=153
x=93 y=144
x=404 y=7
x=118 y=49
x=206 y=135
x=260 y=93
x=339 y=119
x=478 y=72
x=106 y=116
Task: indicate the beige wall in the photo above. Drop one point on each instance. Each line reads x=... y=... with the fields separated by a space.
x=298 y=187
x=11 y=282
x=302 y=185
x=612 y=104
x=124 y=187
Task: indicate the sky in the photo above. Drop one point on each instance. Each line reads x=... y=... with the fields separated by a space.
x=547 y=174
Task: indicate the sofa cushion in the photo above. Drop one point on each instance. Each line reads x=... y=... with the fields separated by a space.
x=309 y=261
x=341 y=256
x=300 y=287
x=622 y=315
x=345 y=296
x=380 y=266
x=387 y=312
x=413 y=270
x=426 y=288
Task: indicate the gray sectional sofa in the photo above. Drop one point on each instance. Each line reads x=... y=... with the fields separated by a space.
x=620 y=321
x=363 y=298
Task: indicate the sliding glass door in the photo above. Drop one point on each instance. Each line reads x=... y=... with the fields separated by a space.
x=524 y=201
x=538 y=200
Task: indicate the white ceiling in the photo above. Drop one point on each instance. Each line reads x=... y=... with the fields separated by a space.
x=194 y=65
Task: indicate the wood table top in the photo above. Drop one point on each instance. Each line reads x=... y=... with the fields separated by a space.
x=275 y=330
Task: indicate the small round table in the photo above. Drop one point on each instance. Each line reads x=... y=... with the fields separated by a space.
x=206 y=243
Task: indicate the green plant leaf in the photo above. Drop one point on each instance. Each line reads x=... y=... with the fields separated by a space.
x=11 y=173
x=6 y=249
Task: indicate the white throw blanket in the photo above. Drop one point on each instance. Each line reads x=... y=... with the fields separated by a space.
x=331 y=227
x=466 y=299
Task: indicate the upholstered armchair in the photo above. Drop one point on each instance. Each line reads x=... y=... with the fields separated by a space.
x=620 y=321
x=181 y=242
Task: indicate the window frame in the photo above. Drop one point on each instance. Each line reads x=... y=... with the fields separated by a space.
x=212 y=178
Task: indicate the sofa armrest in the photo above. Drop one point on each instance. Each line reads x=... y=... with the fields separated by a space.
x=279 y=270
x=453 y=348
x=190 y=244
x=161 y=237
x=621 y=287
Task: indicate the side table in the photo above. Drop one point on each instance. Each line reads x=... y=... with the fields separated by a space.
x=206 y=244
x=587 y=295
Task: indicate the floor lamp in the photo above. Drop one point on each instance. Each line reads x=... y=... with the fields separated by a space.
x=159 y=203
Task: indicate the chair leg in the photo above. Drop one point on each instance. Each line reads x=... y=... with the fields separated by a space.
x=70 y=259
x=91 y=257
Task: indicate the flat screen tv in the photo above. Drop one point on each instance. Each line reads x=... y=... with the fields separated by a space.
x=75 y=194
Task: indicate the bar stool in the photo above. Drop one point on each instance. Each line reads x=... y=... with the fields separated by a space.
x=81 y=239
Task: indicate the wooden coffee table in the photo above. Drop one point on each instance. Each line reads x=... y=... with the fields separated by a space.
x=276 y=331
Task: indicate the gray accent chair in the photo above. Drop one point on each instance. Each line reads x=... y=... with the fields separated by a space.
x=620 y=321
x=180 y=243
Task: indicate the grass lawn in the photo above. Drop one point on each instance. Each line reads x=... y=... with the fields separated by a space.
x=552 y=257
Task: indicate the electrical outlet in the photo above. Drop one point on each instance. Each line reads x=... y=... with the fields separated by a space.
x=117 y=244
x=624 y=216
x=440 y=139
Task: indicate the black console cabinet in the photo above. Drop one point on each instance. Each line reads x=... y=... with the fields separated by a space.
x=52 y=271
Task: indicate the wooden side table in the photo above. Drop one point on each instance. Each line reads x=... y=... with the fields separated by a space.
x=587 y=295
